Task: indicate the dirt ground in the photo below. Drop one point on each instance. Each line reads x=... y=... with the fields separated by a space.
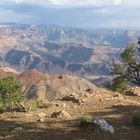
x=116 y=110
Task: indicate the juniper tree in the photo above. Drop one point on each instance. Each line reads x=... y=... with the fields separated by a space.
x=129 y=69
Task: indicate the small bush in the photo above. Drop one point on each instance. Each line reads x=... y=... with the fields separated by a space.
x=42 y=104
x=86 y=120
x=136 y=119
x=31 y=105
x=2 y=109
x=119 y=84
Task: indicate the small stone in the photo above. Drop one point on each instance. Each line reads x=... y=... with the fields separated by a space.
x=96 y=91
x=40 y=120
x=64 y=105
x=86 y=95
x=107 y=99
x=41 y=115
x=18 y=128
x=73 y=106
x=117 y=96
x=61 y=114
x=58 y=105
x=89 y=90
x=101 y=99
x=29 y=115
x=83 y=100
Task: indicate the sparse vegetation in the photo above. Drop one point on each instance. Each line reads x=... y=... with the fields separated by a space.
x=42 y=104
x=11 y=97
x=86 y=120
x=31 y=105
x=35 y=104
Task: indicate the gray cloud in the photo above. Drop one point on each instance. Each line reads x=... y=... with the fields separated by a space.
x=47 y=11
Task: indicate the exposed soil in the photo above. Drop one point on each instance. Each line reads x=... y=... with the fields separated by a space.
x=114 y=108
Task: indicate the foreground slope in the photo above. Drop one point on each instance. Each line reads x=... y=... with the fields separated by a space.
x=115 y=108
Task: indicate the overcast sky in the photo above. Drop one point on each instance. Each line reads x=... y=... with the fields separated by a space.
x=77 y=13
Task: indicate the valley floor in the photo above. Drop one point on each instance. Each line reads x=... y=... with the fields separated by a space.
x=117 y=110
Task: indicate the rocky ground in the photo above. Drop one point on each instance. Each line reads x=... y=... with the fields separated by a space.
x=61 y=120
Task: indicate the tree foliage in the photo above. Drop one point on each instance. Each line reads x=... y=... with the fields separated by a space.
x=128 y=70
x=10 y=93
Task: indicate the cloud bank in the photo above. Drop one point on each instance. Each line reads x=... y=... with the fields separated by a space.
x=77 y=2
x=77 y=13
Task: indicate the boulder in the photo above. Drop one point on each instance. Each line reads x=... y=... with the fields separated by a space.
x=104 y=125
x=72 y=98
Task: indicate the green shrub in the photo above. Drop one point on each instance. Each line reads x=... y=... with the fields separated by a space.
x=119 y=84
x=10 y=94
x=136 y=119
x=42 y=104
x=2 y=109
x=85 y=120
x=31 y=105
x=14 y=107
